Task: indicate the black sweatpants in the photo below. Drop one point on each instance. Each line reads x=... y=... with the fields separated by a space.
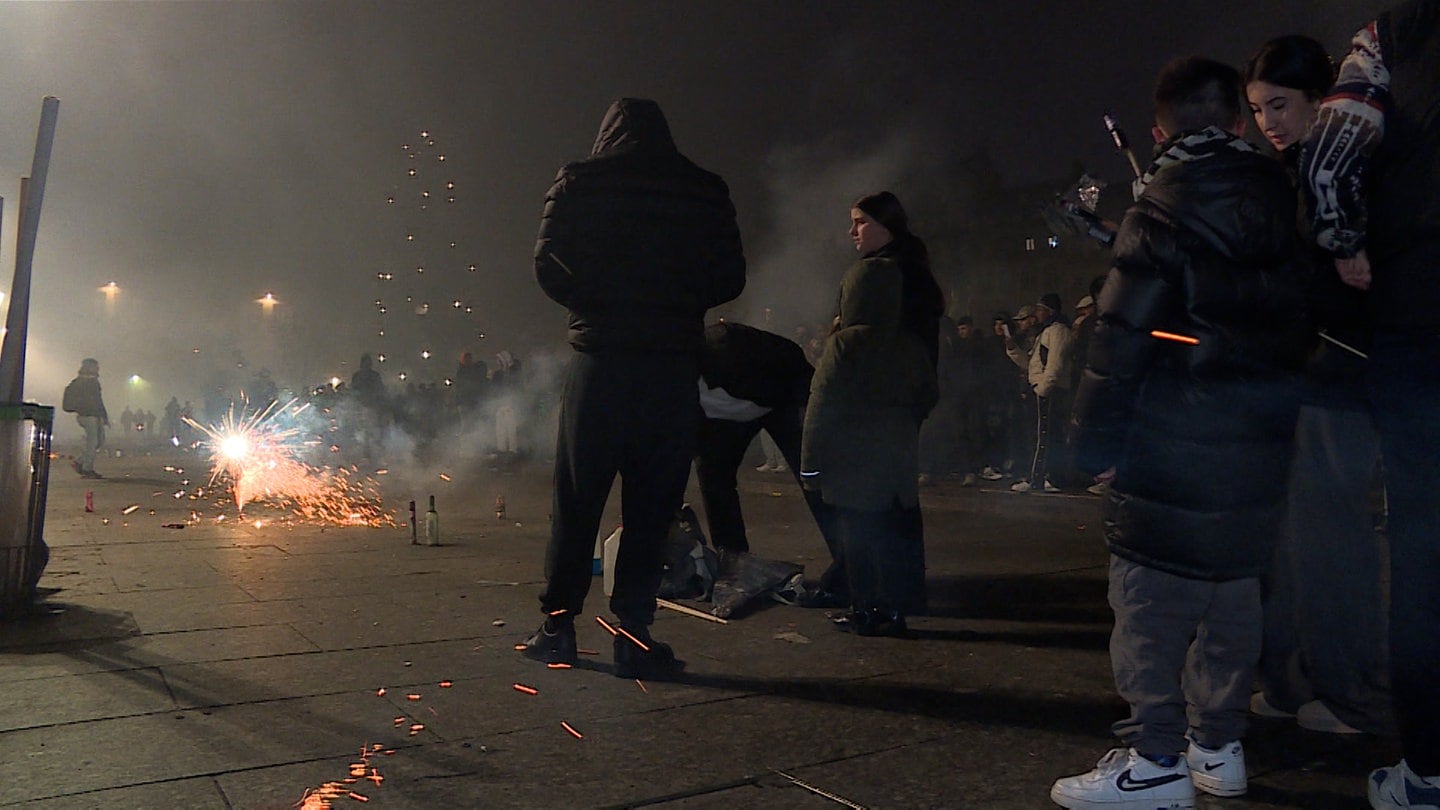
x=633 y=415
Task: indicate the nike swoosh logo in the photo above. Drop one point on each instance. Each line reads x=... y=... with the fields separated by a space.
x=1210 y=766
x=1129 y=784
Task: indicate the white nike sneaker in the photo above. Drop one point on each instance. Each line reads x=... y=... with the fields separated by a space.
x=1124 y=780
x=1220 y=772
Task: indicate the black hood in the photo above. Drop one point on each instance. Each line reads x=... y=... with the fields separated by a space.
x=633 y=124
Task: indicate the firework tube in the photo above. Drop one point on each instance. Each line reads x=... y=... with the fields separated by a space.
x=1122 y=143
x=1156 y=333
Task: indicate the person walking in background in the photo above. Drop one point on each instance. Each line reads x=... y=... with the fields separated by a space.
x=637 y=242
x=1200 y=431
x=82 y=398
x=1373 y=165
x=1323 y=658
x=873 y=388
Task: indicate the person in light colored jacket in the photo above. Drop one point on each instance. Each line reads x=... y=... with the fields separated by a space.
x=1047 y=367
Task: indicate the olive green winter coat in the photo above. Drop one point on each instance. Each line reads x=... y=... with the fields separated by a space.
x=873 y=387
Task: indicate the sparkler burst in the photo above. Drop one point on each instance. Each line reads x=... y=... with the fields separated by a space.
x=259 y=456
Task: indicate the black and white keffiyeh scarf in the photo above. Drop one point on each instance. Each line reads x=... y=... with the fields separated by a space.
x=1205 y=143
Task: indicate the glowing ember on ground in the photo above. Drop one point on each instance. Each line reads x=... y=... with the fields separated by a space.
x=577 y=735
x=259 y=456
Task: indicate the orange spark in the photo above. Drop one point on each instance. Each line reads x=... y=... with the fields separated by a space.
x=444 y=477
x=609 y=628
x=637 y=642
x=577 y=735
x=1156 y=333
x=520 y=648
x=642 y=686
x=558 y=665
x=412 y=696
x=529 y=690
x=131 y=508
x=359 y=797
x=380 y=692
x=446 y=684
x=584 y=651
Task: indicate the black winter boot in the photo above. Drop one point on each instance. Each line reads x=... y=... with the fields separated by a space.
x=553 y=643
x=637 y=655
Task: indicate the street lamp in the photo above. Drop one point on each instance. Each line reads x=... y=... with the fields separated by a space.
x=111 y=290
x=267 y=303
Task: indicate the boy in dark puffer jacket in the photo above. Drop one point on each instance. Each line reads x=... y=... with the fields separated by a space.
x=1190 y=393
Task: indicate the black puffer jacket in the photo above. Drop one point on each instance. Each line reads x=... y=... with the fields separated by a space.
x=637 y=241
x=1200 y=434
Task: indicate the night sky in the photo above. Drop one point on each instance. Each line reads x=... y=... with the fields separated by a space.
x=210 y=152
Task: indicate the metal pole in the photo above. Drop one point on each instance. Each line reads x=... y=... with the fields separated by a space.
x=17 y=317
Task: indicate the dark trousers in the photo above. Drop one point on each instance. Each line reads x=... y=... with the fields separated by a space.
x=884 y=557
x=1404 y=382
x=721 y=451
x=1324 y=609
x=632 y=415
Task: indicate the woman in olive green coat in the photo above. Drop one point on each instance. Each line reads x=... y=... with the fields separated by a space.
x=873 y=387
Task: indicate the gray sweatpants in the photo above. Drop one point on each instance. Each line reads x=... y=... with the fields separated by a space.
x=1184 y=653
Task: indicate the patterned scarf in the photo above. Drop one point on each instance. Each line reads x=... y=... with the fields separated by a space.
x=1208 y=142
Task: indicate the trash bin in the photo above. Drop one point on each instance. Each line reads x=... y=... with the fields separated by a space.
x=25 y=433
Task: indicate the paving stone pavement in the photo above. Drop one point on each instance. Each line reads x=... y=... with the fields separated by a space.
x=238 y=664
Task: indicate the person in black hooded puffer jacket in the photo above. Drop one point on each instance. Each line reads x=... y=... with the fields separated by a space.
x=1191 y=393
x=637 y=242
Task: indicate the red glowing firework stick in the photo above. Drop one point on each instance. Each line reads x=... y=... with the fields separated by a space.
x=609 y=628
x=1186 y=339
x=577 y=735
x=529 y=690
x=637 y=642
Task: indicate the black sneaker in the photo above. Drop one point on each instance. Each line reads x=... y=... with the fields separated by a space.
x=871 y=622
x=637 y=655
x=551 y=644
x=821 y=598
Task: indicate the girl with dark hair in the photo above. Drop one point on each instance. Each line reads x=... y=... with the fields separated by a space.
x=1324 y=626
x=922 y=302
x=1285 y=83
x=873 y=387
